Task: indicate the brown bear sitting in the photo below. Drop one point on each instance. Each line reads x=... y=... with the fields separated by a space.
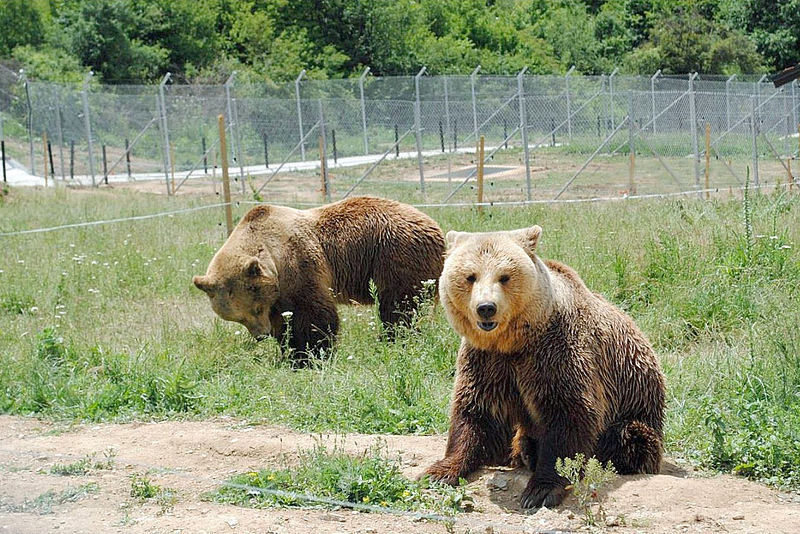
x=546 y=368
x=280 y=260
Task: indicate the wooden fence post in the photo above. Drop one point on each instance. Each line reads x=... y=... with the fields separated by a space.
x=323 y=170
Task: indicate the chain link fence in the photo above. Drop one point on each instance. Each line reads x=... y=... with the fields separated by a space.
x=547 y=137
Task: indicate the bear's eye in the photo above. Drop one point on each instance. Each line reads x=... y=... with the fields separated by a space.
x=471 y=278
x=504 y=278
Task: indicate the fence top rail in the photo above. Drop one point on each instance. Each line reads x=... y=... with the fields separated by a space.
x=377 y=86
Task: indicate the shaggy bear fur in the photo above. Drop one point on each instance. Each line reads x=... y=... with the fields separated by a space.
x=280 y=259
x=546 y=368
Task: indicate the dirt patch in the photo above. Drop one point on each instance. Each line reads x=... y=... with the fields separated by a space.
x=192 y=457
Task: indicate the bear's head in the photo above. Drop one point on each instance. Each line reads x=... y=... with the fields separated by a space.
x=243 y=289
x=493 y=285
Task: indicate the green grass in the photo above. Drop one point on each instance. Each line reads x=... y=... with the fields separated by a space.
x=85 y=465
x=103 y=323
x=367 y=479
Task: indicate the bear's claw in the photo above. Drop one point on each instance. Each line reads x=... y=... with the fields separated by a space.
x=443 y=472
x=538 y=496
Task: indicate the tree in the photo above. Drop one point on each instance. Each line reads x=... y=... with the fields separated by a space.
x=774 y=26
x=22 y=25
x=100 y=38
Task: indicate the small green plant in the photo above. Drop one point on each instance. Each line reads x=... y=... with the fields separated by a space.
x=748 y=219
x=85 y=465
x=368 y=479
x=16 y=304
x=143 y=489
x=43 y=504
x=586 y=479
x=50 y=346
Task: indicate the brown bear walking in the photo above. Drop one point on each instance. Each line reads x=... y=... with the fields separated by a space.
x=282 y=265
x=546 y=368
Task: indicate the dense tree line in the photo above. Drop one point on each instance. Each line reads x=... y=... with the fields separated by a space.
x=137 y=41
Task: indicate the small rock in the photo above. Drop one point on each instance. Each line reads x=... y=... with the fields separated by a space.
x=333 y=517
x=232 y=522
x=738 y=517
x=498 y=482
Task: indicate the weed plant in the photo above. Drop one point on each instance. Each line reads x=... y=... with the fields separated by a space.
x=367 y=479
x=103 y=323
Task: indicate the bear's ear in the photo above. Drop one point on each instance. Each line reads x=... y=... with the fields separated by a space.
x=452 y=237
x=204 y=283
x=528 y=238
x=253 y=268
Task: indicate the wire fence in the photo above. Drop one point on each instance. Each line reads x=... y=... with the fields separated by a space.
x=549 y=137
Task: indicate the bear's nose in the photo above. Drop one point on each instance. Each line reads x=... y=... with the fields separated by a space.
x=487 y=309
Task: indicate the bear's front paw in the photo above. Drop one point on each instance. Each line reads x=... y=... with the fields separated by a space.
x=443 y=471
x=536 y=496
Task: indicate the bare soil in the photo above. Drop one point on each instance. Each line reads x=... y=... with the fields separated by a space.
x=192 y=457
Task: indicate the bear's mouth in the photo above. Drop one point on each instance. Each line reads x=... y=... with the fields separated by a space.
x=488 y=326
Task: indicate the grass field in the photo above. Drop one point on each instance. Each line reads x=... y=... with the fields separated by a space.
x=103 y=323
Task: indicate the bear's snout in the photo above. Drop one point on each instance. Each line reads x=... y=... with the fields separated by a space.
x=486 y=310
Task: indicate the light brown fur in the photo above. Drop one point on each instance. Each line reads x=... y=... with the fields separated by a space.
x=280 y=259
x=563 y=371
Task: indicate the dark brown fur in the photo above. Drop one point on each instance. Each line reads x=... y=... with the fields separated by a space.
x=323 y=256
x=581 y=379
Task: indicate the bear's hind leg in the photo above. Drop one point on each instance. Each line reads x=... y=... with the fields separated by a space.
x=523 y=450
x=632 y=446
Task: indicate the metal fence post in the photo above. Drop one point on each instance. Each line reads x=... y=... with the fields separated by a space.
x=569 y=110
x=3 y=148
x=795 y=105
x=233 y=124
x=653 y=79
x=611 y=97
x=364 y=109
x=693 y=126
x=446 y=109
x=163 y=112
x=758 y=87
x=631 y=145
x=754 y=132
x=300 y=112
x=88 y=123
x=728 y=99
x=60 y=133
x=524 y=129
x=418 y=128
x=30 y=118
x=474 y=104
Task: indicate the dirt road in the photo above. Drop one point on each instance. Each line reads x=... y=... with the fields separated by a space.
x=192 y=457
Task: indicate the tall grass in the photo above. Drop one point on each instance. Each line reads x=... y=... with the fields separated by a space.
x=103 y=323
